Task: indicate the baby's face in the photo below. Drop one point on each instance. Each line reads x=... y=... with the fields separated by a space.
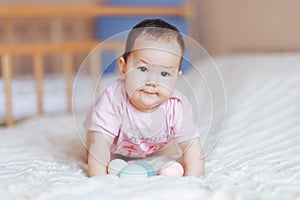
x=151 y=72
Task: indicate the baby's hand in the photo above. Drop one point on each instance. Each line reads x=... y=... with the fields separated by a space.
x=99 y=153
x=192 y=158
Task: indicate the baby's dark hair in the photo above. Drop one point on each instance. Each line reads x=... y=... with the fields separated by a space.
x=156 y=28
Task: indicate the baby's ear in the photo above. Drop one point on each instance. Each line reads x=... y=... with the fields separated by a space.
x=122 y=66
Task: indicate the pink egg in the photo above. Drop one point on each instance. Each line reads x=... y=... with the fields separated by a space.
x=171 y=169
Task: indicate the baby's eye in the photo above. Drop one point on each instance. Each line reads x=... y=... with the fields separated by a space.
x=143 y=69
x=164 y=73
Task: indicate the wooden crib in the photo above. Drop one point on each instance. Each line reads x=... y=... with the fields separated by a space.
x=66 y=49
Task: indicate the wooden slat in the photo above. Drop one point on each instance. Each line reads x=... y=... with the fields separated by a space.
x=68 y=73
x=38 y=73
x=7 y=75
x=48 y=48
x=88 y=11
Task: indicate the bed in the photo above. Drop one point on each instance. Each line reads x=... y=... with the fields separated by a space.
x=254 y=154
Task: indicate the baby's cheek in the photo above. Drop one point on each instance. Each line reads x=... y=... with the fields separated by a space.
x=166 y=90
x=132 y=86
x=166 y=94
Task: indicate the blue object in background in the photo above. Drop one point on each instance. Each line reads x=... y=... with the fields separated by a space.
x=109 y=62
x=107 y=27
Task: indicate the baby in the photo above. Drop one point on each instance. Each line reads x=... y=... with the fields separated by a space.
x=141 y=113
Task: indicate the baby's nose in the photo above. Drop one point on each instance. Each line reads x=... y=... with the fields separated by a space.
x=151 y=83
x=151 y=80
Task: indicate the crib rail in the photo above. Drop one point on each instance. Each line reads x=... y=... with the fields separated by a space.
x=89 y=11
x=37 y=52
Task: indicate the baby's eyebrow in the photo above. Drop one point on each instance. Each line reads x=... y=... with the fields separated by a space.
x=169 y=67
x=141 y=60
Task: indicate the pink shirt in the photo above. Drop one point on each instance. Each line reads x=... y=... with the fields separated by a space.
x=136 y=133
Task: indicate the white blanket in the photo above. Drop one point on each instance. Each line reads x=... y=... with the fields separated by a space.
x=256 y=157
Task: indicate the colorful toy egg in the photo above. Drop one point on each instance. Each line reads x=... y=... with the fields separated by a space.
x=172 y=169
x=148 y=167
x=115 y=166
x=133 y=170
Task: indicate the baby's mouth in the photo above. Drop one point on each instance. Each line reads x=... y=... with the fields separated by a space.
x=150 y=92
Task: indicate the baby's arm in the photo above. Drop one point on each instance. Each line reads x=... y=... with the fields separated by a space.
x=192 y=158
x=98 y=153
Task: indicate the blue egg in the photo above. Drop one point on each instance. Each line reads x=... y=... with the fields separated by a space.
x=148 y=167
x=133 y=171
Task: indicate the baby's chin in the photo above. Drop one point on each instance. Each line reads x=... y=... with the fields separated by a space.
x=147 y=102
x=145 y=106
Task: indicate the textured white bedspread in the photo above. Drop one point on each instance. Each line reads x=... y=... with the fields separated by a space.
x=257 y=156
